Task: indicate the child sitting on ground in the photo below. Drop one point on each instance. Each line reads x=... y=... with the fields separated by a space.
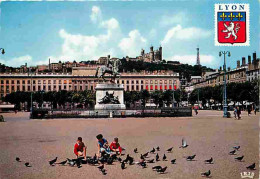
x=115 y=146
x=103 y=146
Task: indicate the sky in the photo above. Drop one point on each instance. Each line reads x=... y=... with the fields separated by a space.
x=33 y=32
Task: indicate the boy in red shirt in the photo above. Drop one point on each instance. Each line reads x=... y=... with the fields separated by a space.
x=115 y=146
x=80 y=148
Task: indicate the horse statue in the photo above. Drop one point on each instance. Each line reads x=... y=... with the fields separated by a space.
x=111 y=68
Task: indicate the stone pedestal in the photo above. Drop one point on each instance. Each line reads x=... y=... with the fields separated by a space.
x=114 y=90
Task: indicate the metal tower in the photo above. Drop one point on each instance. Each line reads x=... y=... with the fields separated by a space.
x=198 y=56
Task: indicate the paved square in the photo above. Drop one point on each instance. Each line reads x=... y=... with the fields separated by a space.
x=208 y=135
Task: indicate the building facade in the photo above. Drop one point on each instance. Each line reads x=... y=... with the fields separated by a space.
x=81 y=79
x=154 y=56
x=242 y=73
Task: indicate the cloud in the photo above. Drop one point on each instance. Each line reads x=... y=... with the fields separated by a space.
x=91 y=47
x=205 y=60
x=132 y=45
x=18 y=61
x=177 y=18
x=190 y=33
x=96 y=14
x=152 y=33
x=110 y=24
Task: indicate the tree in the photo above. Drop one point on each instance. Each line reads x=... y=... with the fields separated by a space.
x=157 y=97
x=144 y=96
x=168 y=97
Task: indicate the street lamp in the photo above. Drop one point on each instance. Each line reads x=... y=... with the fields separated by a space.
x=173 y=99
x=31 y=110
x=2 y=51
x=225 y=83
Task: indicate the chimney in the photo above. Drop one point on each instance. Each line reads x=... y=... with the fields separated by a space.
x=238 y=64
x=220 y=68
x=254 y=58
x=249 y=59
x=243 y=61
x=228 y=68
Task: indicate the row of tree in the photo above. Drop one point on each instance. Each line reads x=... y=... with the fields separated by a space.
x=87 y=98
x=81 y=98
x=236 y=92
x=159 y=98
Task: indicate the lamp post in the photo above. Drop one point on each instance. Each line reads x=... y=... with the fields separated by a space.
x=2 y=51
x=31 y=110
x=173 y=99
x=225 y=83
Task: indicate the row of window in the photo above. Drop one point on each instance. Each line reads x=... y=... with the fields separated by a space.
x=81 y=81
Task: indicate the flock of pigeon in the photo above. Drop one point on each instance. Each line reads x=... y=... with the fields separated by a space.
x=109 y=159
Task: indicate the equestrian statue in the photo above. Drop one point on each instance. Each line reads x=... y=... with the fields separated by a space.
x=111 y=68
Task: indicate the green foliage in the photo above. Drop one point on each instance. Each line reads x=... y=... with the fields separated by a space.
x=85 y=98
x=236 y=92
x=184 y=69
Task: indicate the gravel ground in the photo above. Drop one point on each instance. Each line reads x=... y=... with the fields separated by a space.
x=208 y=135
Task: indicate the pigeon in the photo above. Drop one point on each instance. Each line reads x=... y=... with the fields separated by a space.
x=146 y=154
x=114 y=156
x=150 y=161
x=157 y=167
x=153 y=150
x=183 y=143
x=78 y=163
x=158 y=148
x=27 y=164
x=251 y=167
x=101 y=167
x=206 y=174
x=209 y=160
x=53 y=161
x=62 y=163
x=239 y=158
x=236 y=147
x=127 y=158
x=17 y=159
x=232 y=152
x=95 y=157
x=173 y=161
x=162 y=170
x=191 y=157
x=102 y=160
x=104 y=172
x=135 y=150
x=123 y=165
x=157 y=157
x=170 y=149
x=164 y=157
x=142 y=157
x=143 y=164
x=72 y=163
x=131 y=161
x=110 y=161
x=119 y=159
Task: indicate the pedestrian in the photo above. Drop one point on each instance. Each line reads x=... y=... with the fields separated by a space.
x=238 y=113
x=249 y=110
x=255 y=110
x=235 y=112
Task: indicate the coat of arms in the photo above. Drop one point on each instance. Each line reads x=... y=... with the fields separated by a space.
x=232 y=24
